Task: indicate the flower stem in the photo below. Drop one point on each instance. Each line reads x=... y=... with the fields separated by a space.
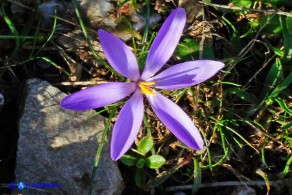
x=197 y=176
x=99 y=150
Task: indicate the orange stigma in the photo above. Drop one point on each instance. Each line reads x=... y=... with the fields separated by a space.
x=145 y=89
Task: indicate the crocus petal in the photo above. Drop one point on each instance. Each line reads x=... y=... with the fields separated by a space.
x=127 y=126
x=186 y=74
x=165 y=42
x=176 y=120
x=118 y=54
x=98 y=96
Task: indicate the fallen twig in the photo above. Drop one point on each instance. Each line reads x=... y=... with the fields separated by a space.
x=225 y=183
x=232 y=7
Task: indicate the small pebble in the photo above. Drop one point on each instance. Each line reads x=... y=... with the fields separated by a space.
x=1 y=101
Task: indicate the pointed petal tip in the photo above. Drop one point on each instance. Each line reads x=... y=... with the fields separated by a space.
x=69 y=103
x=97 y=96
x=195 y=143
x=119 y=55
x=186 y=74
x=198 y=145
x=219 y=64
x=165 y=42
x=115 y=156
x=176 y=120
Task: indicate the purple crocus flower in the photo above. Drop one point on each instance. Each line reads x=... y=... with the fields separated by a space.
x=124 y=62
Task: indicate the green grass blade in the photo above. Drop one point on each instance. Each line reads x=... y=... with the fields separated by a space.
x=287 y=166
x=284 y=106
x=87 y=37
x=197 y=176
x=53 y=30
x=99 y=150
x=54 y=64
x=286 y=126
x=287 y=38
x=285 y=84
x=14 y=32
x=272 y=78
x=16 y=37
x=242 y=138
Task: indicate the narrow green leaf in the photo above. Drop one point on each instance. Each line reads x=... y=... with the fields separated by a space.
x=54 y=64
x=128 y=160
x=289 y=23
x=286 y=83
x=230 y=83
x=145 y=144
x=277 y=51
x=286 y=126
x=88 y=40
x=266 y=179
x=286 y=169
x=14 y=32
x=272 y=78
x=283 y=105
x=155 y=161
x=287 y=37
x=100 y=150
x=271 y=24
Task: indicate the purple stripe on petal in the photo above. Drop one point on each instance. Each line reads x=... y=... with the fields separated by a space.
x=186 y=74
x=127 y=126
x=165 y=42
x=176 y=120
x=98 y=96
x=118 y=54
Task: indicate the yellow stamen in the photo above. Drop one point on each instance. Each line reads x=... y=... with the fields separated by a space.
x=149 y=83
x=145 y=89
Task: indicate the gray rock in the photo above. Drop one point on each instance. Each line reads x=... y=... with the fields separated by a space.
x=49 y=7
x=2 y=101
x=58 y=146
x=98 y=12
x=140 y=22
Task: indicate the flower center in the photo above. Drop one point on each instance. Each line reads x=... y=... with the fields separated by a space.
x=145 y=89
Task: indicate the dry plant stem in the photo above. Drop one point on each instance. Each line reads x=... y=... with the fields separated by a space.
x=269 y=11
x=224 y=184
x=248 y=47
x=201 y=49
x=255 y=128
x=165 y=174
x=236 y=173
x=263 y=66
x=65 y=56
x=20 y=4
x=81 y=83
